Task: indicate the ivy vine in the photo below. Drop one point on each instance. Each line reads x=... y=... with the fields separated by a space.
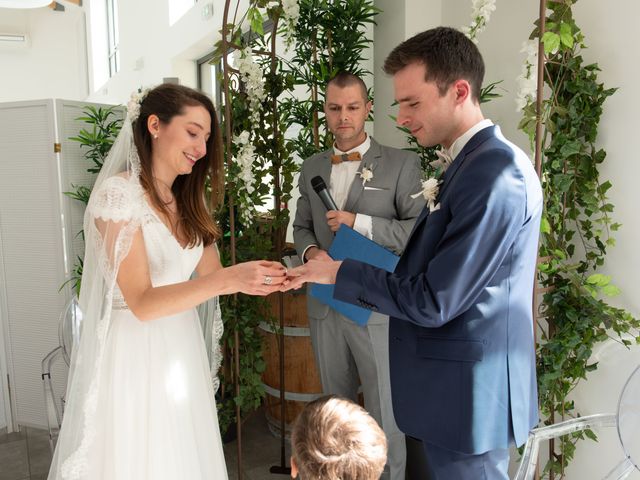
x=577 y=228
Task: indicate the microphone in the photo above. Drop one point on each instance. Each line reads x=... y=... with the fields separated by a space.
x=321 y=189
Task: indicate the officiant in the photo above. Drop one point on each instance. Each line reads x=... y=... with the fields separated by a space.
x=372 y=187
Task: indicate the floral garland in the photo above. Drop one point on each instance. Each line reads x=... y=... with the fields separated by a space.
x=528 y=79
x=251 y=76
x=290 y=14
x=480 y=17
x=244 y=158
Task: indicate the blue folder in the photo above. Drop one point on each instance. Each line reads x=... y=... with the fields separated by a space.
x=350 y=244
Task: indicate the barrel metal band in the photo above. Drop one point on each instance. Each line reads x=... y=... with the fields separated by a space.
x=299 y=397
x=287 y=331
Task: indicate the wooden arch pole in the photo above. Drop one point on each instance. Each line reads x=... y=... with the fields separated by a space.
x=538 y=151
x=229 y=159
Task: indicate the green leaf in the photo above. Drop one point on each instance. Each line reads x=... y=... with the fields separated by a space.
x=551 y=42
x=611 y=290
x=256 y=20
x=566 y=36
x=599 y=279
x=545 y=226
x=591 y=435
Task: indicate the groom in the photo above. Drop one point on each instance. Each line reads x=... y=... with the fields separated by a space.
x=461 y=335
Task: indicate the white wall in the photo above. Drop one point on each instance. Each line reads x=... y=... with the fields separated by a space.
x=150 y=48
x=53 y=64
x=397 y=22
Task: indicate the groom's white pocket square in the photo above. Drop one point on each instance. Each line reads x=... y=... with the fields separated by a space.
x=375 y=189
x=434 y=208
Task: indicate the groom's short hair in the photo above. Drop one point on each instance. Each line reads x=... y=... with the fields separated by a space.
x=447 y=54
x=336 y=439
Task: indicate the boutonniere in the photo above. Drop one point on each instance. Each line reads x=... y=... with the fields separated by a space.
x=430 y=189
x=366 y=174
x=431 y=186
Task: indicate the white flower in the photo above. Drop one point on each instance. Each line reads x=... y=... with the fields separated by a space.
x=133 y=105
x=244 y=158
x=290 y=15
x=430 y=189
x=480 y=17
x=443 y=161
x=252 y=77
x=528 y=79
x=366 y=174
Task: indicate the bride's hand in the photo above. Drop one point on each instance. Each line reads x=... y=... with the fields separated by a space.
x=260 y=277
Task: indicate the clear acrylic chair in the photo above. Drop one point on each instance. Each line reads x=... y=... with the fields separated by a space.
x=69 y=325
x=626 y=420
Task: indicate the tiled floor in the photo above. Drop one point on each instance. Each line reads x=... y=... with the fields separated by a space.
x=260 y=451
x=26 y=455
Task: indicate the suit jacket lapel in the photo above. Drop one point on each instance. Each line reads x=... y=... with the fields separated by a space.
x=370 y=160
x=475 y=141
x=324 y=167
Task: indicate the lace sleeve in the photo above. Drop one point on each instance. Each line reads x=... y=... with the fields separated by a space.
x=111 y=219
x=115 y=200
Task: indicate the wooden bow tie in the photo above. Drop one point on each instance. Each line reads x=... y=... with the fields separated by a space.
x=346 y=157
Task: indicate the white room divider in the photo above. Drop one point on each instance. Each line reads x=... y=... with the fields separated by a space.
x=38 y=245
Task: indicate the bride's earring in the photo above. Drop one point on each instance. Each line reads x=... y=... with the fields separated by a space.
x=155 y=136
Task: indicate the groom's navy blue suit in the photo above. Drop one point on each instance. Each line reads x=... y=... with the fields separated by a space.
x=461 y=333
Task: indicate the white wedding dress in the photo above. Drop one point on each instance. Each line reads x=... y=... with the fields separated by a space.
x=159 y=418
x=155 y=412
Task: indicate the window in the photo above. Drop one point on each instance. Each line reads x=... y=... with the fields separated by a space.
x=113 y=37
x=209 y=78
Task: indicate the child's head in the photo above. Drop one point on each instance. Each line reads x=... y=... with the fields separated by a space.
x=336 y=439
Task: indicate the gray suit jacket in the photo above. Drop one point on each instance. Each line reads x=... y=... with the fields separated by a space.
x=386 y=198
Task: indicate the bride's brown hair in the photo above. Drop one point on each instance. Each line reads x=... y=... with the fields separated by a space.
x=195 y=222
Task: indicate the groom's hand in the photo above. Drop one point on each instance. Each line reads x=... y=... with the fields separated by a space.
x=316 y=271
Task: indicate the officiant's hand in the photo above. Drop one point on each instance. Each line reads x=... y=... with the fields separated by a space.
x=315 y=253
x=336 y=217
x=317 y=271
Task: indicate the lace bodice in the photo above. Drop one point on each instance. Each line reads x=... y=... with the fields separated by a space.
x=168 y=261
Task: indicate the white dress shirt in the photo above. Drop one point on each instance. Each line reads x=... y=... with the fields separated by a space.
x=342 y=176
x=457 y=146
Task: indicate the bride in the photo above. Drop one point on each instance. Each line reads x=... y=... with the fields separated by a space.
x=140 y=396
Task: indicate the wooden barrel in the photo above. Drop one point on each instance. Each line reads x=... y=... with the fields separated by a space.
x=301 y=380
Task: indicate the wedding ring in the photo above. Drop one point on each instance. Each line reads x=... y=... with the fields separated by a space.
x=267 y=280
